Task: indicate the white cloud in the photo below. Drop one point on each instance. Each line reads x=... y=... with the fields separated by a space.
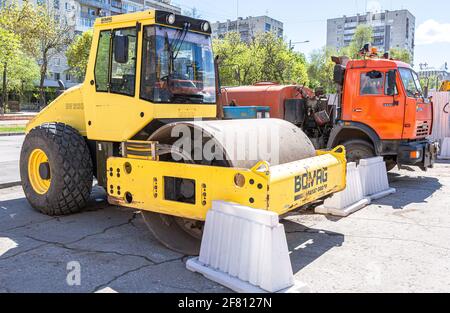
x=431 y=32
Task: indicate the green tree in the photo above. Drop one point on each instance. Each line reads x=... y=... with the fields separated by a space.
x=235 y=64
x=23 y=73
x=401 y=55
x=54 y=35
x=78 y=55
x=279 y=63
x=266 y=58
x=320 y=69
x=362 y=36
x=9 y=49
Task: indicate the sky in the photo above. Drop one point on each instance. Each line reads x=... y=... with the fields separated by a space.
x=307 y=20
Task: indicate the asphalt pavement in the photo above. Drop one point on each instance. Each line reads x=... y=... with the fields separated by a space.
x=10 y=147
x=397 y=244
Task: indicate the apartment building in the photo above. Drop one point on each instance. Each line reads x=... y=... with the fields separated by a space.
x=392 y=29
x=248 y=27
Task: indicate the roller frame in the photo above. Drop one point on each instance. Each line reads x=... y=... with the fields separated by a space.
x=280 y=188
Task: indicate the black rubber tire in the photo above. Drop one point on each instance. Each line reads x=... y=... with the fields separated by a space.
x=168 y=232
x=358 y=149
x=70 y=167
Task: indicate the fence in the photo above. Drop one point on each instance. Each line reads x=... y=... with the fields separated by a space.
x=441 y=122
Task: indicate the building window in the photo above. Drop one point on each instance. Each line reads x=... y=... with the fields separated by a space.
x=268 y=27
x=68 y=78
x=57 y=76
x=56 y=4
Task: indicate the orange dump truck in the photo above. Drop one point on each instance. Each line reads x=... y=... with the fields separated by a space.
x=380 y=110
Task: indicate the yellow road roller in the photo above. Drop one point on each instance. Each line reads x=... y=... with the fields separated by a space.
x=144 y=124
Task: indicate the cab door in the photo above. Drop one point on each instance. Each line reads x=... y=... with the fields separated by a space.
x=378 y=103
x=110 y=94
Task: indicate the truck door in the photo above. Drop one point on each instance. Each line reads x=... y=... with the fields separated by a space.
x=378 y=103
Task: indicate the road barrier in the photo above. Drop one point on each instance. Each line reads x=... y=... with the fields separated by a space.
x=245 y=250
x=348 y=201
x=374 y=178
x=445 y=149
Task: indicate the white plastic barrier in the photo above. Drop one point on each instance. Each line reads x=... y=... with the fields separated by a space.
x=245 y=250
x=445 y=149
x=374 y=178
x=350 y=200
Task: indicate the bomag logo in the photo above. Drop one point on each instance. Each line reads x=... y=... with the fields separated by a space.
x=311 y=179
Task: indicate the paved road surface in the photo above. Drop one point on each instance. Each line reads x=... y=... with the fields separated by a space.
x=398 y=244
x=9 y=158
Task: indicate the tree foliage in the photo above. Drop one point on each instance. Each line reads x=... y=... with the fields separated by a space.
x=53 y=37
x=320 y=69
x=266 y=58
x=362 y=36
x=42 y=33
x=18 y=69
x=78 y=55
x=401 y=55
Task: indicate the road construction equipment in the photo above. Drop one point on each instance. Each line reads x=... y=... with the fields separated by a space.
x=380 y=110
x=150 y=78
x=445 y=86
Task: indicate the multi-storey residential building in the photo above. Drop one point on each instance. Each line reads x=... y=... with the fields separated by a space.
x=392 y=29
x=248 y=27
x=82 y=14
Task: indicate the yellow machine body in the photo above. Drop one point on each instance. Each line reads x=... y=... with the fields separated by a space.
x=279 y=189
x=445 y=86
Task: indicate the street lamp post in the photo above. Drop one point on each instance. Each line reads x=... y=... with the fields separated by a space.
x=292 y=44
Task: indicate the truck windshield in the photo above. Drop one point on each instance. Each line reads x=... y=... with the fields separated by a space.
x=177 y=67
x=411 y=82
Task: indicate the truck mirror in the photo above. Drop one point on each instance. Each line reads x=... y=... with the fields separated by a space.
x=121 y=44
x=391 y=83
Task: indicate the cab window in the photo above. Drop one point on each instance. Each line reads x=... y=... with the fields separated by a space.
x=372 y=83
x=411 y=82
x=123 y=68
x=115 y=67
x=101 y=71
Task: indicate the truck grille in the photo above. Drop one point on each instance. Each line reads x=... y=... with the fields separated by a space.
x=423 y=129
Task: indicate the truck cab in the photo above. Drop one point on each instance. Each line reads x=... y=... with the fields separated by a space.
x=385 y=111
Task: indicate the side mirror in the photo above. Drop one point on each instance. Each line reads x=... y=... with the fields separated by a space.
x=121 y=45
x=391 y=83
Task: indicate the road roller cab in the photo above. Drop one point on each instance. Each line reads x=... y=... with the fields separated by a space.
x=144 y=124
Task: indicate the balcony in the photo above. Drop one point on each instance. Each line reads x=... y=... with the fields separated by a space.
x=84 y=23
x=102 y=4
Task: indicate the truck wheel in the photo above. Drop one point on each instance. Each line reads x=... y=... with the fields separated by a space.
x=358 y=149
x=56 y=169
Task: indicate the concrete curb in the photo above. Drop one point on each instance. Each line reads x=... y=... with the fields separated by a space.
x=10 y=185
x=11 y=134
